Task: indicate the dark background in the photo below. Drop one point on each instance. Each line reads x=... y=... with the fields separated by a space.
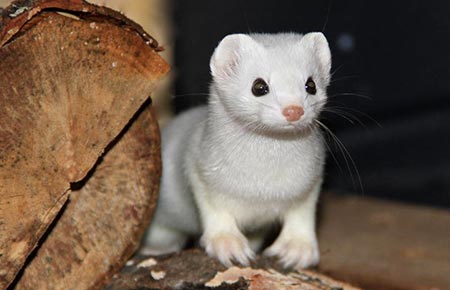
x=391 y=73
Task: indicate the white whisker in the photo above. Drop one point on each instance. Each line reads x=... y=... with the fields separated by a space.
x=351 y=94
x=190 y=95
x=351 y=165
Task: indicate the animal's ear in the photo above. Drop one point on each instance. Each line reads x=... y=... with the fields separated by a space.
x=229 y=54
x=318 y=44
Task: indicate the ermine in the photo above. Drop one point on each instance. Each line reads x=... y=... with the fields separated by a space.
x=252 y=157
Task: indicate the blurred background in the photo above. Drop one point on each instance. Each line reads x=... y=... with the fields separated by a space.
x=390 y=80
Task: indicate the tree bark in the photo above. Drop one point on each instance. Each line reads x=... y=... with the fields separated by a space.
x=193 y=269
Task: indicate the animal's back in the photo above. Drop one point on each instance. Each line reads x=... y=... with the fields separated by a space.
x=176 y=207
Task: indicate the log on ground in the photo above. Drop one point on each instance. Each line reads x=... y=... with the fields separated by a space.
x=193 y=269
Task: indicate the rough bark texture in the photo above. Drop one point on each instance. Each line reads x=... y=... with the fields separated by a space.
x=68 y=86
x=193 y=269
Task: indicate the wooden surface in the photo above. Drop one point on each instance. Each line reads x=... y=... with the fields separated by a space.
x=193 y=269
x=68 y=86
x=103 y=222
x=384 y=245
x=370 y=243
x=156 y=17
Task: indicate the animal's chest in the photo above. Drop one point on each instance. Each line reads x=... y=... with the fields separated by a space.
x=276 y=170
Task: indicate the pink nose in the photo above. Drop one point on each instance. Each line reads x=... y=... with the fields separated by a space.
x=293 y=113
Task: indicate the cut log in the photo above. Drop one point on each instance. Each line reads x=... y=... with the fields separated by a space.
x=102 y=224
x=69 y=84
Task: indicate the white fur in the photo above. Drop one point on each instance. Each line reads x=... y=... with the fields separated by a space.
x=237 y=165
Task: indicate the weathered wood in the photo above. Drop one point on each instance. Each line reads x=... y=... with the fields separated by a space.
x=193 y=269
x=19 y=13
x=384 y=245
x=68 y=86
x=375 y=244
x=102 y=224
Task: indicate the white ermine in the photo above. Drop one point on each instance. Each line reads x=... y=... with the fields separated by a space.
x=252 y=157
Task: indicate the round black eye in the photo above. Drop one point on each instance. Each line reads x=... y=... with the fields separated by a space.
x=260 y=88
x=310 y=86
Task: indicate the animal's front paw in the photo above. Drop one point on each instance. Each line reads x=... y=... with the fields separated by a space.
x=227 y=247
x=295 y=252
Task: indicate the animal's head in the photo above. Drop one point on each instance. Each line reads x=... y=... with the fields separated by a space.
x=272 y=82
